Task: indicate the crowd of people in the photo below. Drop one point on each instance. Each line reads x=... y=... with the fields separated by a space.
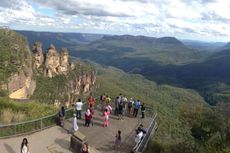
x=120 y=108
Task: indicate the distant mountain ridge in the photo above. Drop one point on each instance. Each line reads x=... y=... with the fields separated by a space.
x=61 y=39
x=227 y=46
x=165 y=40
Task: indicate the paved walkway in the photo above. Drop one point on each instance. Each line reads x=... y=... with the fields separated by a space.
x=101 y=139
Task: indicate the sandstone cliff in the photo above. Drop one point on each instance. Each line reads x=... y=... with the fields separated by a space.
x=68 y=79
x=16 y=65
x=46 y=77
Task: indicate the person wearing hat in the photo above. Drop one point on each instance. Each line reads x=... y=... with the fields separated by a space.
x=74 y=124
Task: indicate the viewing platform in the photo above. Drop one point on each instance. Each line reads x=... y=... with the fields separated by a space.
x=100 y=139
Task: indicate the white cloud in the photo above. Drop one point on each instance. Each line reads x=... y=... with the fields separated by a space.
x=197 y=18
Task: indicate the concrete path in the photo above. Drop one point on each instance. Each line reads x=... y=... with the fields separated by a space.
x=101 y=139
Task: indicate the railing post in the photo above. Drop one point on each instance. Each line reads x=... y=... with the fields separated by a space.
x=41 y=124
x=14 y=129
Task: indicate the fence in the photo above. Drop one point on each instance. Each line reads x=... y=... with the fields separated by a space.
x=27 y=127
x=140 y=148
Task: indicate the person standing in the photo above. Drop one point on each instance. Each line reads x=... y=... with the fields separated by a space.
x=136 y=108
x=118 y=139
x=79 y=105
x=103 y=102
x=61 y=115
x=106 y=118
x=125 y=101
x=91 y=109
x=24 y=146
x=88 y=117
x=108 y=99
x=143 y=110
x=109 y=108
x=130 y=105
x=91 y=100
x=116 y=104
x=74 y=124
x=120 y=109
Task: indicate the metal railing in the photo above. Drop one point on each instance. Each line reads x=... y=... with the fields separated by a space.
x=140 y=147
x=31 y=126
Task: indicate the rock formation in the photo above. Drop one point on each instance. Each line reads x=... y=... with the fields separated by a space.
x=64 y=61
x=19 y=67
x=52 y=62
x=80 y=85
x=38 y=55
x=81 y=80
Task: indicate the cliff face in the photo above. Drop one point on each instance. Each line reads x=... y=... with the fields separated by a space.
x=56 y=78
x=16 y=65
x=69 y=79
x=53 y=62
x=82 y=84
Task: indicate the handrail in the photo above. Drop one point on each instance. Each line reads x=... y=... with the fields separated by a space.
x=141 y=146
x=31 y=126
x=24 y=122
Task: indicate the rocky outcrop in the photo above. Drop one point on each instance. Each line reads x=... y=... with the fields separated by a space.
x=21 y=86
x=17 y=69
x=38 y=55
x=78 y=78
x=54 y=63
x=64 y=61
x=83 y=84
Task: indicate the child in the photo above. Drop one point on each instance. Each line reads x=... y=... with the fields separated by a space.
x=118 y=139
x=106 y=118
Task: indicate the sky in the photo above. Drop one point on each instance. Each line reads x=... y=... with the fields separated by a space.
x=207 y=20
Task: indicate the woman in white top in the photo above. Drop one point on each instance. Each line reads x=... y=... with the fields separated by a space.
x=139 y=137
x=74 y=125
x=24 y=146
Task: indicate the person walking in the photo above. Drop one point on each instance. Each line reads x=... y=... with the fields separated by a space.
x=136 y=108
x=74 y=124
x=79 y=105
x=24 y=146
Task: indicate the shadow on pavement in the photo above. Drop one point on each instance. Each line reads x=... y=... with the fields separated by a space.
x=9 y=148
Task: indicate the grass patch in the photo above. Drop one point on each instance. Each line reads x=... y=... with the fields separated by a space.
x=16 y=112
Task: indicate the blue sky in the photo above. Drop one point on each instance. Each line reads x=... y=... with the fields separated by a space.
x=185 y=19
